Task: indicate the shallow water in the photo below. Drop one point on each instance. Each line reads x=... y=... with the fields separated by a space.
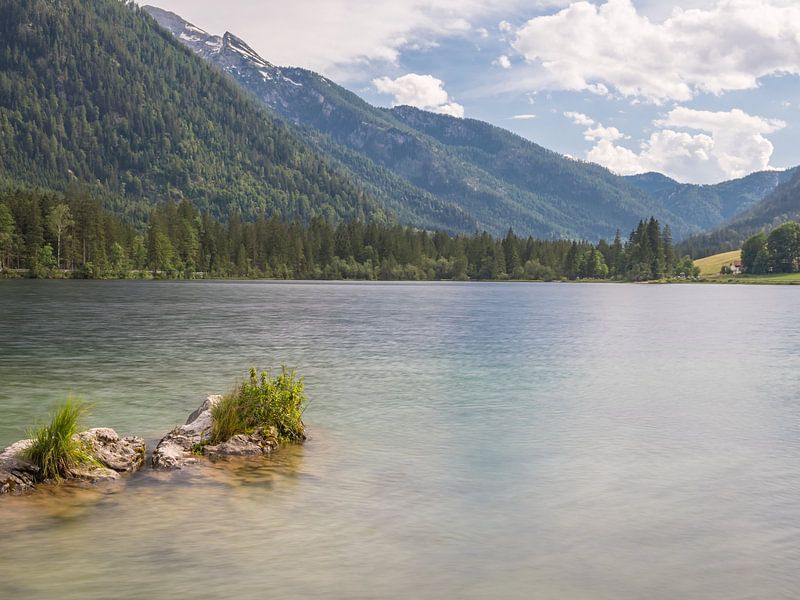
x=468 y=441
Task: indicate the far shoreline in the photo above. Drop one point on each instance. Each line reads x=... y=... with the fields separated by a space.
x=787 y=279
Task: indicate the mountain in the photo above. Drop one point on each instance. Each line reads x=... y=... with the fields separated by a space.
x=491 y=175
x=782 y=205
x=708 y=206
x=97 y=92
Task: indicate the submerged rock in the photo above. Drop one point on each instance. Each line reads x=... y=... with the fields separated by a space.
x=183 y=445
x=114 y=456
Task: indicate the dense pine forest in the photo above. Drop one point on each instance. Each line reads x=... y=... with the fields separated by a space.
x=96 y=92
x=70 y=234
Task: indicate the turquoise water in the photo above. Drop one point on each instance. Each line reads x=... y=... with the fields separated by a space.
x=468 y=441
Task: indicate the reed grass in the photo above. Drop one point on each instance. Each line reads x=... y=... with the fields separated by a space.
x=56 y=449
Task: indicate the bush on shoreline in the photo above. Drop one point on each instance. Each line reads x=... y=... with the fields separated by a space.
x=262 y=401
x=56 y=449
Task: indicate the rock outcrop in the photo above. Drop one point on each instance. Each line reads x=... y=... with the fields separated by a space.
x=114 y=455
x=16 y=474
x=183 y=445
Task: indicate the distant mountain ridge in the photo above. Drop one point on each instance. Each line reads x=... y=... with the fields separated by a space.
x=781 y=205
x=462 y=169
x=711 y=205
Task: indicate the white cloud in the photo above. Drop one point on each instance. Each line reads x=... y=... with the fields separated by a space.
x=579 y=118
x=503 y=61
x=727 y=46
x=505 y=26
x=527 y=117
x=422 y=91
x=327 y=35
x=718 y=146
x=611 y=134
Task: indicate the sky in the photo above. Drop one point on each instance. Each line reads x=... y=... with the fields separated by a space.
x=700 y=90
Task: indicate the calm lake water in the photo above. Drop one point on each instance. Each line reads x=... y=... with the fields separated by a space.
x=468 y=441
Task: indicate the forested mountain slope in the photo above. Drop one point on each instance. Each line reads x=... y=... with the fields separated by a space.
x=782 y=205
x=97 y=92
x=496 y=178
x=708 y=206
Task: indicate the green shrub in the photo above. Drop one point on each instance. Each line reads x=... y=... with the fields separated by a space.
x=262 y=401
x=56 y=449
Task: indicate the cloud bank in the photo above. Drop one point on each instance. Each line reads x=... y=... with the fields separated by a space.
x=692 y=146
x=730 y=46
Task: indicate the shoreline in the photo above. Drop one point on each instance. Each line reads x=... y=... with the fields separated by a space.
x=787 y=279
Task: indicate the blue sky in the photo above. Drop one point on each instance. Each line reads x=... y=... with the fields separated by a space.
x=702 y=90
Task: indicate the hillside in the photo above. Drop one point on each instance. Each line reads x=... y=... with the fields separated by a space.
x=707 y=206
x=97 y=92
x=782 y=205
x=711 y=266
x=494 y=177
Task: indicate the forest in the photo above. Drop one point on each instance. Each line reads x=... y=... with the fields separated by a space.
x=778 y=252
x=96 y=92
x=70 y=234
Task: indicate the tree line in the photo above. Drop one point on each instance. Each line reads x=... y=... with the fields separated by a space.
x=45 y=234
x=778 y=252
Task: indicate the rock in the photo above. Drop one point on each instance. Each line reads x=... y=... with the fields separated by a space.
x=260 y=442
x=176 y=449
x=115 y=455
x=181 y=446
x=124 y=455
x=16 y=474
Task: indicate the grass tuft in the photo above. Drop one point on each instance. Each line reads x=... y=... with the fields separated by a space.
x=262 y=401
x=56 y=450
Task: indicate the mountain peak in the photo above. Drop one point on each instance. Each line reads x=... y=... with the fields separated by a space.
x=235 y=44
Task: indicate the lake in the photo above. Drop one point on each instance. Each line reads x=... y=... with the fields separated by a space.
x=467 y=441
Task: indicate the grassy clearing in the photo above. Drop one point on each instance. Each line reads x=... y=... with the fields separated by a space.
x=710 y=266
x=56 y=450
x=262 y=401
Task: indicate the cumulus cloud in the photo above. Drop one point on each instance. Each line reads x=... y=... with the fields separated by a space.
x=727 y=46
x=579 y=118
x=504 y=61
x=611 y=134
x=717 y=146
x=422 y=91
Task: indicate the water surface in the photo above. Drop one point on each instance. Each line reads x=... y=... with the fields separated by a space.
x=468 y=441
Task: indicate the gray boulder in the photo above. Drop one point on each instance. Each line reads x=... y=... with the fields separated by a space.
x=183 y=445
x=114 y=456
x=177 y=448
x=121 y=455
x=260 y=442
x=16 y=474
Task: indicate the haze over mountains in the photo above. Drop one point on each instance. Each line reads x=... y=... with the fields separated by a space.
x=98 y=93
